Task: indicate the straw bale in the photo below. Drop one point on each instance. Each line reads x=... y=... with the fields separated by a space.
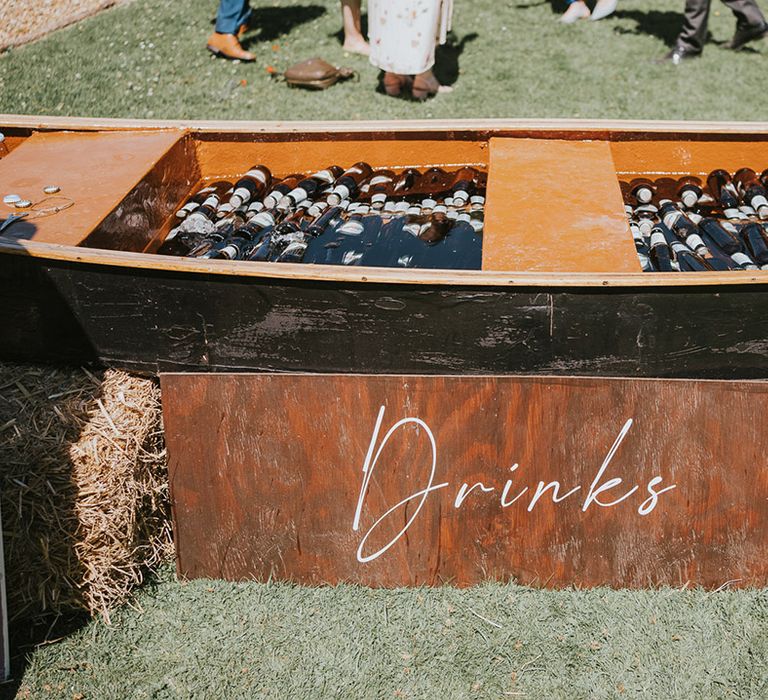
x=84 y=487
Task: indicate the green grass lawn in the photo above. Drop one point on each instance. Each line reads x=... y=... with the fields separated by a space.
x=508 y=59
x=215 y=639
x=212 y=639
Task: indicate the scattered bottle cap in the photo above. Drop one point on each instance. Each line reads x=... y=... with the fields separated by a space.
x=22 y=204
x=11 y=199
x=51 y=189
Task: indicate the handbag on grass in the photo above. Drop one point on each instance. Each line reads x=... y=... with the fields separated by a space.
x=316 y=74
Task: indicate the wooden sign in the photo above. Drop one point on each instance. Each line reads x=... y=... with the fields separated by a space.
x=4 y=651
x=410 y=480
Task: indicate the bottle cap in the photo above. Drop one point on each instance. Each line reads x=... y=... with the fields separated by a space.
x=22 y=204
x=11 y=199
x=428 y=203
x=51 y=189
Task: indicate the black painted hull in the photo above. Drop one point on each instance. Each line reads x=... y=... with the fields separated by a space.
x=153 y=320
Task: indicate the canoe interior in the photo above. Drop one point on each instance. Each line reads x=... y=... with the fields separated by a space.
x=554 y=203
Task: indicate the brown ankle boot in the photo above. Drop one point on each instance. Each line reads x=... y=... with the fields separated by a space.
x=228 y=46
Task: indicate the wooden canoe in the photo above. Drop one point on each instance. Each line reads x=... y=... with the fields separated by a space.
x=560 y=290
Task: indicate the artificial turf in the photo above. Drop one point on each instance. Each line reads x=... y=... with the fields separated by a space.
x=213 y=639
x=507 y=59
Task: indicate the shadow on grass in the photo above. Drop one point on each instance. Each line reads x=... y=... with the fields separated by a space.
x=664 y=25
x=26 y=636
x=269 y=23
x=447 y=58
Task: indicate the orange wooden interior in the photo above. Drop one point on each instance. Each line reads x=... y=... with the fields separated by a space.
x=555 y=206
x=96 y=170
x=533 y=222
x=660 y=158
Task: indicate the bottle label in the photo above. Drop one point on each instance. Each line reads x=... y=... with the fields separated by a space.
x=696 y=242
x=187 y=209
x=257 y=175
x=759 y=201
x=741 y=259
x=460 y=197
x=670 y=218
x=657 y=238
x=229 y=252
x=379 y=198
x=351 y=228
x=297 y=195
x=379 y=180
x=242 y=193
x=325 y=176
x=477 y=199
x=341 y=192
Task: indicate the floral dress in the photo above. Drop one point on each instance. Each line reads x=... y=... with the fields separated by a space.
x=403 y=33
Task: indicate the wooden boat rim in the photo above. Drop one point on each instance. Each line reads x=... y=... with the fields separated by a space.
x=416 y=125
x=352 y=275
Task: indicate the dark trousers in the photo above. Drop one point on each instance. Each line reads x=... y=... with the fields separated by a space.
x=696 y=16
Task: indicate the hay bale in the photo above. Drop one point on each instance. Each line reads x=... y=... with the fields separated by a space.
x=84 y=488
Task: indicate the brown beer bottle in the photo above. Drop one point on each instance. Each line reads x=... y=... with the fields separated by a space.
x=752 y=191
x=280 y=189
x=310 y=187
x=253 y=185
x=689 y=190
x=642 y=189
x=348 y=185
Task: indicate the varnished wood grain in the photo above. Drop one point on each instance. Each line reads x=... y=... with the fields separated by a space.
x=266 y=472
x=95 y=170
x=555 y=206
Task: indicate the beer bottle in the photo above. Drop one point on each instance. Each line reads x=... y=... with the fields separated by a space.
x=688 y=260
x=378 y=186
x=463 y=186
x=642 y=189
x=641 y=246
x=721 y=237
x=199 y=197
x=752 y=191
x=310 y=187
x=323 y=232
x=252 y=186
x=678 y=222
x=723 y=190
x=660 y=252
x=756 y=242
x=280 y=189
x=348 y=185
x=689 y=191
x=405 y=183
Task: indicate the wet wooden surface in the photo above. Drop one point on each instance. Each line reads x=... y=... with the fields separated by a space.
x=555 y=205
x=95 y=170
x=267 y=476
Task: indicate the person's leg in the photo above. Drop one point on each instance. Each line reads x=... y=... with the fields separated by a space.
x=750 y=23
x=354 y=41
x=232 y=15
x=747 y=13
x=577 y=9
x=694 y=31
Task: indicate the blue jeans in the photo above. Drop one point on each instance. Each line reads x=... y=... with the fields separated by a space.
x=232 y=14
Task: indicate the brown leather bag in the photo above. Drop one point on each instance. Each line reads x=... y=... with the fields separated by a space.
x=316 y=74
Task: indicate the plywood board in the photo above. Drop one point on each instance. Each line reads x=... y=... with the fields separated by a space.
x=555 y=206
x=95 y=170
x=410 y=480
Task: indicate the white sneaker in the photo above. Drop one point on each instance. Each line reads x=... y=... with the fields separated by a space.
x=603 y=8
x=576 y=11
